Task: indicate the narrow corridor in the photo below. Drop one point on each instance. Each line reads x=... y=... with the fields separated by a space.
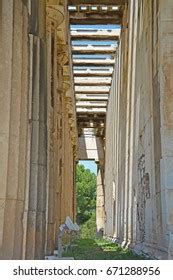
x=86 y=80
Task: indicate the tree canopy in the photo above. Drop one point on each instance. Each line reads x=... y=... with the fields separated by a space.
x=86 y=193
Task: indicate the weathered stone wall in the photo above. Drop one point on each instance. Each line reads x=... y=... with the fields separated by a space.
x=138 y=173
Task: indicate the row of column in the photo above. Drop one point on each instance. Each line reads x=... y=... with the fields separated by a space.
x=139 y=147
x=37 y=138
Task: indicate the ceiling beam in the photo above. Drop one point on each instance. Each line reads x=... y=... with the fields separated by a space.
x=90 y=92
x=90 y=49
x=92 y=89
x=94 y=62
x=91 y=111
x=92 y=99
x=88 y=125
x=97 y=37
x=93 y=52
x=92 y=84
x=96 y=15
x=84 y=117
x=93 y=74
x=90 y=63
x=91 y=103
x=90 y=106
x=95 y=21
x=97 y=2
x=94 y=37
x=93 y=80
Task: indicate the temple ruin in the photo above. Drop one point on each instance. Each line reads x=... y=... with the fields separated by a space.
x=86 y=80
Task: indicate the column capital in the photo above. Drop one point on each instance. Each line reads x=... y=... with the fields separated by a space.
x=55 y=15
x=100 y=163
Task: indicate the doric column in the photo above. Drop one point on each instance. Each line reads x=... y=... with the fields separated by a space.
x=13 y=125
x=35 y=206
x=55 y=18
x=65 y=190
x=100 y=200
x=52 y=160
x=60 y=131
x=50 y=202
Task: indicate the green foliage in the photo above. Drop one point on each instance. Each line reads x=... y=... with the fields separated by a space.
x=86 y=193
x=88 y=229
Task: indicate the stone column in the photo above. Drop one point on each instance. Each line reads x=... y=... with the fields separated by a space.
x=54 y=18
x=13 y=125
x=100 y=210
x=133 y=25
x=36 y=206
x=50 y=221
x=52 y=111
x=65 y=189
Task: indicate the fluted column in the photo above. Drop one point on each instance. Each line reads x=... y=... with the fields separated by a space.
x=100 y=201
x=13 y=125
x=55 y=18
x=60 y=143
x=36 y=195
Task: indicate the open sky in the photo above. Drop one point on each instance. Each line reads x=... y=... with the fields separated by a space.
x=97 y=26
x=89 y=164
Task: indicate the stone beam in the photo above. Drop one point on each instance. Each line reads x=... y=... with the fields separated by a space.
x=97 y=2
x=95 y=34
x=91 y=111
x=83 y=97
x=88 y=124
x=94 y=62
x=83 y=116
x=96 y=14
x=98 y=104
x=90 y=117
x=92 y=81
x=90 y=146
x=92 y=89
x=91 y=49
x=90 y=92
x=92 y=74
x=90 y=36
x=92 y=84
x=95 y=21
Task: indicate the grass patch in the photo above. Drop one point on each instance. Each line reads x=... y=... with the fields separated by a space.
x=88 y=229
x=99 y=249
